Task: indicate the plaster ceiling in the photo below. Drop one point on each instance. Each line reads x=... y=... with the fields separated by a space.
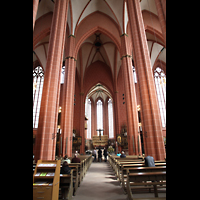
x=156 y=49
x=88 y=53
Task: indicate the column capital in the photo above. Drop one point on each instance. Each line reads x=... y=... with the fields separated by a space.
x=71 y=57
x=124 y=34
x=72 y=36
x=126 y=56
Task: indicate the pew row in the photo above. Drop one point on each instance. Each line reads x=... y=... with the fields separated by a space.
x=126 y=170
x=123 y=166
x=76 y=176
x=145 y=179
x=66 y=185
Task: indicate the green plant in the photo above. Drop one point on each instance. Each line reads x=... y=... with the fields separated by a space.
x=110 y=149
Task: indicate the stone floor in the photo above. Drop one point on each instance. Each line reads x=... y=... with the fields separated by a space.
x=100 y=183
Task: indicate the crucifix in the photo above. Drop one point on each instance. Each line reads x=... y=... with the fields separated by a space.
x=100 y=132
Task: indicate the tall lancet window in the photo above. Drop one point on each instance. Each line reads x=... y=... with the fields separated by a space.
x=99 y=116
x=38 y=80
x=62 y=75
x=110 y=118
x=134 y=75
x=160 y=82
x=89 y=119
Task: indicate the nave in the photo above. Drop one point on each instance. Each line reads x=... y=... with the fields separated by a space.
x=100 y=183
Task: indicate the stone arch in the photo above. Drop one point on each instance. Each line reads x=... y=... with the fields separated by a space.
x=42 y=28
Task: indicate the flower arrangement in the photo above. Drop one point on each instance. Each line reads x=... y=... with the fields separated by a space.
x=110 y=149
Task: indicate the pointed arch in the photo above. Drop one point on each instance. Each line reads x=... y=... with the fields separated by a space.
x=96 y=22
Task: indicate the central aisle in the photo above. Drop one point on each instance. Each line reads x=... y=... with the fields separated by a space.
x=100 y=183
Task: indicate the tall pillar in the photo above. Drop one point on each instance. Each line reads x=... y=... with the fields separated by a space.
x=151 y=124
x=130 y=99
x=161 y=9
x=68 y=98
x=35 y=8
x=48 y=110
x=82 y=124
x=115 y=100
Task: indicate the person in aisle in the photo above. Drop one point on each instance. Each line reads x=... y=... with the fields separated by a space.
x=94 y=153
x=75 y=159
x=105 y=153
x=123 y=155
x=66 y=159
x=76 y=152
x=99 y=155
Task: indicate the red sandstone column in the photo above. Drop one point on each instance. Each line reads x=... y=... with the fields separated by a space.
x=116 y=114
x=115 y=100
x=82 y=124
x=130 y=99
x=48 y=110
x=151 y=123
x=162 y=16
x=35 y=8
x=68 y=98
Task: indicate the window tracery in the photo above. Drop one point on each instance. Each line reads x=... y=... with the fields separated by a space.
x=99 y=115
x=38 y=80
x=160 y=83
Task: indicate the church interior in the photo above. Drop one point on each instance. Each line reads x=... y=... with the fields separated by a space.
x=99 y=81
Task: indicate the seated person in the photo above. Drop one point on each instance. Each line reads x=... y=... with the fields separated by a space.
x=66 y=159
x=65 y=169
x=149 y=161
x=75 y=159
x=123 y=155
x=119 y=154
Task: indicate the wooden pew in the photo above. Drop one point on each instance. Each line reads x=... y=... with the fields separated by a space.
x=119 y=164
x=115 y=160
x=75 y=177
x=85 y=163
x=137 y=170
x=136 y=179
x=66 y=185
x=123 y=165
x=78 y=170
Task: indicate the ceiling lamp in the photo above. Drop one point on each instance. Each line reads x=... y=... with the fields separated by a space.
x=97 y=42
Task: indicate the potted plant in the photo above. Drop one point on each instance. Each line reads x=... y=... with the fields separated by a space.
x=110 y=150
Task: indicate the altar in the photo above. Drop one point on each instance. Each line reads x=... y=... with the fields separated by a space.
x=100 y=141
